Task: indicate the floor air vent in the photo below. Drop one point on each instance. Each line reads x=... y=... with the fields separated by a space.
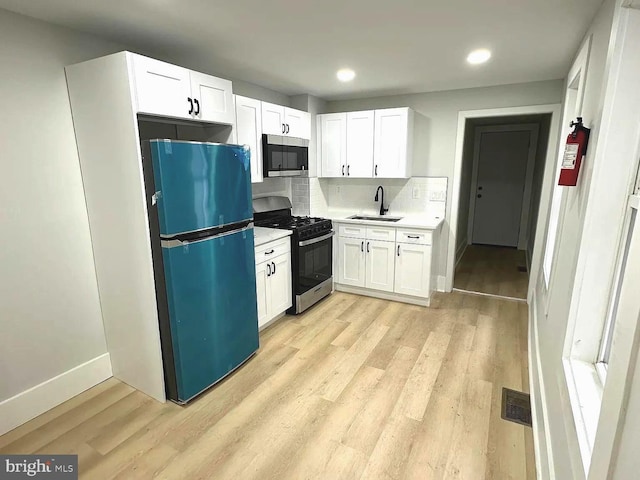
x=516 y=407
x=522 y=268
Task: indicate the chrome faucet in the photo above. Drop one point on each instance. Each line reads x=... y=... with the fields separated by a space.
x=382 y=209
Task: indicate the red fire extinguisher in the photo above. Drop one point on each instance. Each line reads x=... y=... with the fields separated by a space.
x=574 y=152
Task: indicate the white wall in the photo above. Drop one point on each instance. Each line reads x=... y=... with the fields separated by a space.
x=436 y=123
x=49 y=305
x=553 y=327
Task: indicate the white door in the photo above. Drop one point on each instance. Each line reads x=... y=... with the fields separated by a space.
x=360 y=144
x=380 y=265
x=351 y=261
x=249 y=132
x=413 y=269
x=499 y=194
x=213 y=98
x=262 y=294
x=391 y=142
x=162 y=88
x=280 y=284
x=297 y=123
x=272 y=119
x=333 y=145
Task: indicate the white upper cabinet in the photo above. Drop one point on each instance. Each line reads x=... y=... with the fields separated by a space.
x=279 y=120
x=272 y=119
x=333 y=145
x=249 y=132
x=367 y=144
x=297 y=123
x=360 y=144
x=167 y=90
x=213 y=98
x=393 y=143
x=162 y=88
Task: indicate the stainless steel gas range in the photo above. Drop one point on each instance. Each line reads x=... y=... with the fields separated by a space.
x=311 y=249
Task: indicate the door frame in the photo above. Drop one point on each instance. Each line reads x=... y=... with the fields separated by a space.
x=554 y=136
x=533 y=130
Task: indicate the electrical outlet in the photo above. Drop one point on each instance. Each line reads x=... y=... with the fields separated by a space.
x=416 y=192
x=438 y=196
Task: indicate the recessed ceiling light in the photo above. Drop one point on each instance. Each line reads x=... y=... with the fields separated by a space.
x=346 y=75
x=479 y=56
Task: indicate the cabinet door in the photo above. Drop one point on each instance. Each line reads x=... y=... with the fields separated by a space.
x=272 y=119
x=298 y=123
x=262 y=294
x=333 y=145
x=360 y=144
x=392 y=143
x=380 y=265
x=351 y=261
x=249 y=132
x=161 y=88
x=213 y=97
x=413 y=269
x=280 y=284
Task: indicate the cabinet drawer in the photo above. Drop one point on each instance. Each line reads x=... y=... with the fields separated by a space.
x=381 y=233
x=353 y=231
x=271 y=250
x=419 y=237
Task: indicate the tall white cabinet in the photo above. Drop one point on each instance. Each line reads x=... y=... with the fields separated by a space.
x=249 y=131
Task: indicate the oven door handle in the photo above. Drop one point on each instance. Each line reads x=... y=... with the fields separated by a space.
x=317 y=239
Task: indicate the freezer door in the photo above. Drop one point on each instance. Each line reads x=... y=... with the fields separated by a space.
x=200 y=185
x=211 y=298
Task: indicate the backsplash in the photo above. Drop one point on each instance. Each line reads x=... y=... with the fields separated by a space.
x=425 y=195
x=300 y=196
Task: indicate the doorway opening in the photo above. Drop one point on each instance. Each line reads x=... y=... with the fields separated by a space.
x=503 y=164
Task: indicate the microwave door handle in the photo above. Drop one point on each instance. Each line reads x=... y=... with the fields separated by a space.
x=317 y=239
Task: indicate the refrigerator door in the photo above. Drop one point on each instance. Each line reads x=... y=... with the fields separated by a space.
x=211 y=297
x=200 y=185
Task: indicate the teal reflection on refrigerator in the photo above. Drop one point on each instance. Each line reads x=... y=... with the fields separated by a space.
x=204 y=261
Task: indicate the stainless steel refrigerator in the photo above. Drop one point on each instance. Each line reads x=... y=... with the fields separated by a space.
x=200 y=214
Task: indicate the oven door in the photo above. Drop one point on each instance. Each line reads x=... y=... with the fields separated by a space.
x=313 y=263
x=284 y=156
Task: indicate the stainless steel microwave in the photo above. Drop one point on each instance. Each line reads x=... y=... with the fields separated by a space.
x=285 y=156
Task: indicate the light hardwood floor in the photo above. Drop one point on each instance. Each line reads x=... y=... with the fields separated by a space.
x=493 y=270
x=355 y=388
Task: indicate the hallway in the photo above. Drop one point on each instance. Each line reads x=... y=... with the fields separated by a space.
x=493 y=270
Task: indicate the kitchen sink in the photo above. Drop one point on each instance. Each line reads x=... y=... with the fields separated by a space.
x=376 y=218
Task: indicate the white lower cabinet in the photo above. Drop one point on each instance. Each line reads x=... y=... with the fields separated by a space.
x=370 y=259
x=273 y=284
x=380 y=265
x=413 y=269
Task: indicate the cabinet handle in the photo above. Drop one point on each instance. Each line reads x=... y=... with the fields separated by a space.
x=376 y=171
x=362 y=246
x=348 y=167
x=283 y=128
x=269 y=252
x=398 y=250
x=287 y=128
x=197 y=102
x=274 y=268
x=343 y=170
x=367 y=247
x=190 y=105
x=413 y=236
x=268 y=269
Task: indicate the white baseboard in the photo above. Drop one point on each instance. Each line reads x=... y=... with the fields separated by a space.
x=462 y=247
x=35 y=401
x=541 y=441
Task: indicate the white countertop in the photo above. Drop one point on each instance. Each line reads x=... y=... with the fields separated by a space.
x=412 y=220
x=264 y=235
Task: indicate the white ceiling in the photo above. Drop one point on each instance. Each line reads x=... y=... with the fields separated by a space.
x=395 y=46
